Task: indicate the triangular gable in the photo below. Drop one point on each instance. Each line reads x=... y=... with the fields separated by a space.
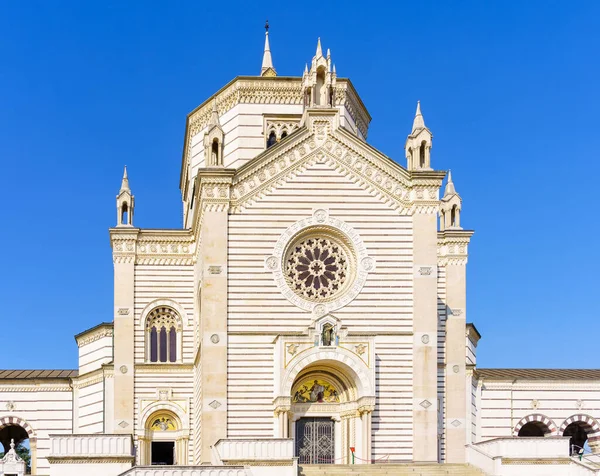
x=322 y=141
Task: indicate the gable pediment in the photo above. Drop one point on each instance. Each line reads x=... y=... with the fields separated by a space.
x=322 y=142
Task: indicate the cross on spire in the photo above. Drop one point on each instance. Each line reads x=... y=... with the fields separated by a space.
x=267 y=63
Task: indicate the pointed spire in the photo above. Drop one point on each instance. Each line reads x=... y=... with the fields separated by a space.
x=334 y=72
x=419 y=122
x=125 y=182
x=267 y=62
x=319 y=52
x=449 y=190
x=305 y=69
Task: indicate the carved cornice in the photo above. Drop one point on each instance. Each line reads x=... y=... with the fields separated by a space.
x=152 y=247
x=163 y=368
x=93 y=377
x=263 y=90
x=94 y=334
x=35 y=386
x=89 y=459
x=452 y=247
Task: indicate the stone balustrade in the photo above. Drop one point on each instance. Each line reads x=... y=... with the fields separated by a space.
x=97 y=446
x=272 y=449
x=186 y=471
x=526 y=447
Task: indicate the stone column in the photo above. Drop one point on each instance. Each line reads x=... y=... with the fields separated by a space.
x=123 y=242
x=454 y=243
x=215 y=189
x=33 y=453
x=425 y=325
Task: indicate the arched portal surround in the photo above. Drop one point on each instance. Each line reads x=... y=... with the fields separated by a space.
x=546 y=425
x=163 y=421
x=350 y=407
x=589 y=425
x=16 y=421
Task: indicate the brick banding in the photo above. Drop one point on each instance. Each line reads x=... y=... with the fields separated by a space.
x=536 y=418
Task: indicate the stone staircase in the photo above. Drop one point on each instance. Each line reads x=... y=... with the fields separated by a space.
x=408 y=469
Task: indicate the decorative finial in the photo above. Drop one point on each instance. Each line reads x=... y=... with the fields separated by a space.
x=449 y=190
x=419 y=122
x=267 y=64
x=12 y=444
x=124 y=181
x=319 y=49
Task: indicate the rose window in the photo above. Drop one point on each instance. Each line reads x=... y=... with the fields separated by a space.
x=316 y=267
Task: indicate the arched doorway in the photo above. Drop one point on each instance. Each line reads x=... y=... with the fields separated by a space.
x=17 y=429
x=165 y=441
x=536 y=425
x=328 y=410
x=317 y=395
x=581 y=429
x=534 y=429
x=18 y=435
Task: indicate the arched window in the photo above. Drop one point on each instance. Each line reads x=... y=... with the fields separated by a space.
x=272 y=139
x=422 y=154
x=284 y=134
x=453 y=216
x=215 y=152
x=321 y=93
x=124 y=214
x=163 y=331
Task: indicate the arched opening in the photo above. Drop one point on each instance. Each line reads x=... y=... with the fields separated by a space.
x=422 y=154
x=578 y=432
x=163 y=330
x=534 y=428
x=124 y=214
x=215 y=152
x=453 y=216
x=272 y=140
x=284 y=134
x=20 y=437
x=321 y=90
x=162 y=431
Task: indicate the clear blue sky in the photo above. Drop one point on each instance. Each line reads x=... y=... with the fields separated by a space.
x=509 y=89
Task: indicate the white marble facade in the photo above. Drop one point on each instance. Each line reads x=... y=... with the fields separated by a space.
x=316 y=283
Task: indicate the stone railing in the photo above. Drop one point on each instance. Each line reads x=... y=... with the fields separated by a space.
x=483 y=461
x=271 y=449
x=186 y=471
x=96 y=446
x=524 y=447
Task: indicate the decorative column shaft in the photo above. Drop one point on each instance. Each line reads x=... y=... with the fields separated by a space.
x=454 y=259
x=123 y=241
x=425 y=325
x=215 y=189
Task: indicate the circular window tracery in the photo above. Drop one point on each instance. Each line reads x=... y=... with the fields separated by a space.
x=317 y=267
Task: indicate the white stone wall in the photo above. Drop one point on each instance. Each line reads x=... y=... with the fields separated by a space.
x=90 y=403
x=256 y=306
x=163 y=285
x=504 y=403
x=45 y=405
x=94 y=354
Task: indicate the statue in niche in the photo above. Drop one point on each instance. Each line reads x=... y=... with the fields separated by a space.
x=328 y=335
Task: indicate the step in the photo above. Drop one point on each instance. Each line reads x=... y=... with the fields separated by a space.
x=396 y=469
